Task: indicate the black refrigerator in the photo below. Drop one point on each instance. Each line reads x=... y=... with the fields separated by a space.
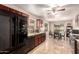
x=13 y=31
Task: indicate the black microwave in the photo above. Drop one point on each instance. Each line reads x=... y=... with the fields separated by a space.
x=75 y=31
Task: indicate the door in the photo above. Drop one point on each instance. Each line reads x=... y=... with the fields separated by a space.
x=4 y=32
x=22 y=29
x=14 y=31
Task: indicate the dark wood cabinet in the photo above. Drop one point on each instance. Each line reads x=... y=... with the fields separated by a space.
x=34 y=41
x=40 y=38
x=31 y=42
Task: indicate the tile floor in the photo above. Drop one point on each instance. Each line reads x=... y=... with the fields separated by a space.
x=53 y=46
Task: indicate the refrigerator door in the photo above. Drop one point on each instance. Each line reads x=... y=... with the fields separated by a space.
x=4 y=32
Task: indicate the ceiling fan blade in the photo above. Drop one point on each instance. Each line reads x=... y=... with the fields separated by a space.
x=61 y=9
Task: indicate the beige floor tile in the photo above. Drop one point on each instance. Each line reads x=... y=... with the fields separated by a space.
x=53 y=46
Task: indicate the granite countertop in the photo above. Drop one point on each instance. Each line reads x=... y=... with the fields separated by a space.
x=32 y=34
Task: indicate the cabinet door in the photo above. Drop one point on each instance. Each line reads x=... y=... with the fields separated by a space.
x=77 y=47
x=27 y=45
x=4 y=32
x=36 y=40
x=40 y=38
x=32 y=42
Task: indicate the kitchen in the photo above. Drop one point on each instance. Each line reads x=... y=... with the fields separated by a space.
x=29 y=27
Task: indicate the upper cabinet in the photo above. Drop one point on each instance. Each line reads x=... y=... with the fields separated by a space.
x=11 y=10
x=35 y=26
x=39 y=25
x=31 y=26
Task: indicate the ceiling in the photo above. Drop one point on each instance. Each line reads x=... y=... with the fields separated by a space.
x=41 y=10
x=35 y=9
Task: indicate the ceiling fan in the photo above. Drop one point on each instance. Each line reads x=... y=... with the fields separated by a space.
x=52 y=12
x=58 y=8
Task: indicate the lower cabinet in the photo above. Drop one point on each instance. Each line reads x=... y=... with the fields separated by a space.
x=30 y=43
x=34 y=41
x=76 y=47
